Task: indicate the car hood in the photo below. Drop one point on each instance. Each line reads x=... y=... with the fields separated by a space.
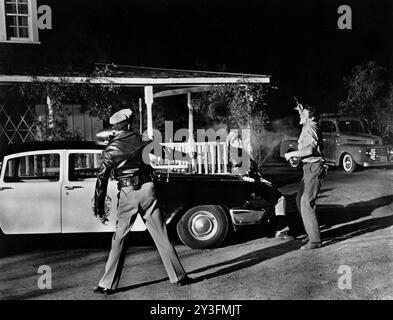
x=165 y=176
x=360 y=138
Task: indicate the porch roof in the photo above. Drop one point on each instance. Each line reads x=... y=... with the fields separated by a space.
x=133 y=76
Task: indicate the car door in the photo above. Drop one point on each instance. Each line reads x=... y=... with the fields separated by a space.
x=30 y=186
x=78 y=195
x=329 y=133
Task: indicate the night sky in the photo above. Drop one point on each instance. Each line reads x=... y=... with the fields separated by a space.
x=297 y=42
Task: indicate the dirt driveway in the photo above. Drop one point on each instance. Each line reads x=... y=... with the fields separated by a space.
x=356 y=262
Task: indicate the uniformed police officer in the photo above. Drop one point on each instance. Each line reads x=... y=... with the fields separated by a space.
x=310 y=147
x=124 y=155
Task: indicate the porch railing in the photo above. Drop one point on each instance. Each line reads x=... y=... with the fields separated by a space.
x=212 y=158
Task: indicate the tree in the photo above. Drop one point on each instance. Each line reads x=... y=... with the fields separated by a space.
x=54 y=126
x=242 y=106
x=384 y=116
x=100 y=100
x=366 y=96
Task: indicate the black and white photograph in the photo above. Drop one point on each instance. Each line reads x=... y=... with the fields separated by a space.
x=196 y=155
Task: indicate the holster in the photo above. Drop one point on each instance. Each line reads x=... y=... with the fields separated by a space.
x=135 y=182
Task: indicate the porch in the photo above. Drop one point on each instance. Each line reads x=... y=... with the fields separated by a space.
x=148 y=85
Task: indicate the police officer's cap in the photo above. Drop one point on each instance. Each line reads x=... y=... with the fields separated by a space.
x=121 y=116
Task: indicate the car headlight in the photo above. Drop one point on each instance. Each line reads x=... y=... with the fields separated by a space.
x=371 y=153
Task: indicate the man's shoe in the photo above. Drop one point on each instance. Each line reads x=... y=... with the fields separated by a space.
x=311 y=246
x=304 y=241
x=287 y=237
x=101 y=290
x=185 y=281
x=284 y=235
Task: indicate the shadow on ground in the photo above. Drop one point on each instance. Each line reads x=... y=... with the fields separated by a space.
x=11 y=245
x=328 y=216
x=248 y=260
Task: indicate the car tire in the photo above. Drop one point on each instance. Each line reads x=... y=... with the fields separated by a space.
x=203 y=227
x=348 y=163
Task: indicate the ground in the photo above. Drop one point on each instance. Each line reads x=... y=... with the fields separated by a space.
x=356 y=261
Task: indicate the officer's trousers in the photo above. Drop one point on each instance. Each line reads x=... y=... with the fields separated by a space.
x=144 y=202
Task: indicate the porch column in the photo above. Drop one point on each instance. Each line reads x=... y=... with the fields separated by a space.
x=149 y=104
x=191 y=140
x=49 y=103
x=190 y=118
x=140 y=116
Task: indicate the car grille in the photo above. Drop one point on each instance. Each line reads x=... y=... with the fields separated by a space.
x=380 y=154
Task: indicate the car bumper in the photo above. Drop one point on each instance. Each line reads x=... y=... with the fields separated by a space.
x=245 y=216
x=377 y=164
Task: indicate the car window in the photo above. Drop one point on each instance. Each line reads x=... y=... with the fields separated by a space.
x=83 y=165
x=351 y=126
x=40 y=167
x=328 y=126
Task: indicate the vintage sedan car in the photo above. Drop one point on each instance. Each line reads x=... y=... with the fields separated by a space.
x=48 y=187
x=347 y=143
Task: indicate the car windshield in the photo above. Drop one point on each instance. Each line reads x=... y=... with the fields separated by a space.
x=351 y=126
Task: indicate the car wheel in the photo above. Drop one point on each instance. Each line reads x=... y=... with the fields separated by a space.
x=348 y=164
x=295 y=163
x=203 y=227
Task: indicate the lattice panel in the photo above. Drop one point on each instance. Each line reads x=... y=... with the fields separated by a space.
x=19 y=128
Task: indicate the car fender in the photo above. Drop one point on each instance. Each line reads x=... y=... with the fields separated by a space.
x=355 y=150
x=286 y=146
x=173 y=212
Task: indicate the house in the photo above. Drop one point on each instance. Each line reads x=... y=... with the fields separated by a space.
x=23 y=56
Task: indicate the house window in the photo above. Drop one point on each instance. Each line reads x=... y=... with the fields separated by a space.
x=18 y=21
x=16 y=18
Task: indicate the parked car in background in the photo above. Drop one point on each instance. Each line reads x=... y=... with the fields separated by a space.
x=347 y=143
x=48 y=187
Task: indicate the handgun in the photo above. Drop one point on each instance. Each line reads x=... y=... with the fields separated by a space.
x=298 y=103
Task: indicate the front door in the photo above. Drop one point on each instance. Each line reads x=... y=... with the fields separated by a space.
x=30 y=193
x=78 y=195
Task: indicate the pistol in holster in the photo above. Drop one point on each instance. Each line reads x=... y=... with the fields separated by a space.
x=135 y=182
